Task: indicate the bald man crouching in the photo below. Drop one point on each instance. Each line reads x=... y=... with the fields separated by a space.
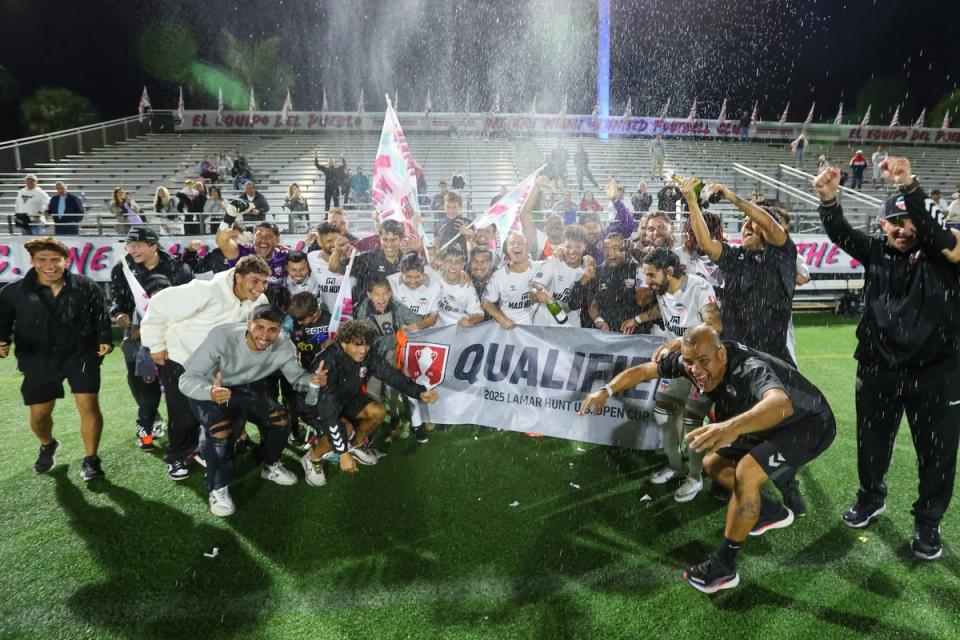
x=770 y=421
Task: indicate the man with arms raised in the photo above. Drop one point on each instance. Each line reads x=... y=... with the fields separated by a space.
x=60 y=326
x=770 y=421
x=508 y=297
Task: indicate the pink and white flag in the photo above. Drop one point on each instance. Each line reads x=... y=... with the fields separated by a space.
x=343 y=307
x=180 y=107
x=723 y=111
x=505 y=213
x=866 y=116
x=809 y=119
x=693 y=111
x=783 y=116
x=220 y=106
x=393 y=186
x=895 y=120
x=287 y=107
x=666 y=108
x=144 y=104
x=839 y=119
x=923 y=116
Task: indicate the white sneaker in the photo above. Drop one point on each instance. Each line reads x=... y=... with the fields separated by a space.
x=159 y=426
x=312 y=473
x=663 y=476
x=366 y=455
x=221 y=504
x=688 y=490
x=276 y=472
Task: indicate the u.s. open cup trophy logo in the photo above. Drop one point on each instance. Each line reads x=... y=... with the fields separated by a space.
x=426 y=362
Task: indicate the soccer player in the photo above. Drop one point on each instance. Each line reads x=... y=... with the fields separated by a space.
x=59 y=324
x=770 y=421
x=177 y=322
x=561 y=277
x=907 y=353
x=508 y=297
x=378 y=264
x=613 y=295
x=144 y=260
x=684 y=301
x=266 y=244
x=226 y=382
x=349 y=364
x=459 y=302
x=415 y=290
x=328 y=262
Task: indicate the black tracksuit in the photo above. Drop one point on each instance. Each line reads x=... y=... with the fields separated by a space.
x=614 y=290
x=907 y=354
x=55 y=337
x=145 y=394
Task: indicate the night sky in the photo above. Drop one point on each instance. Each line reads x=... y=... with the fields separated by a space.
x=881 y=51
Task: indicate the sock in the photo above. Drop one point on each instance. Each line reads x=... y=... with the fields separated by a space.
x=727 y=553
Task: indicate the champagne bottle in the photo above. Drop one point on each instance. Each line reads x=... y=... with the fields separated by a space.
x=703 y=197
x=556 y=311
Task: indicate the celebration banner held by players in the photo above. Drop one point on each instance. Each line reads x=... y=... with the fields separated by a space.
x=534 y=379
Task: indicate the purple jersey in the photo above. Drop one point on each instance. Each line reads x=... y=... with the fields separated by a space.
x=277 y=262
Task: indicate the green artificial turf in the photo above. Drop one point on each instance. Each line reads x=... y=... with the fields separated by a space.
x=427 y=544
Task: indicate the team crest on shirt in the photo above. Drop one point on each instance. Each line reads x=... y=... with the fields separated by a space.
x=426 y=362
x=363 y=373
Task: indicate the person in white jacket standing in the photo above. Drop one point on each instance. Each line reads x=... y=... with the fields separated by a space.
x=31 y=207
x=176 y=324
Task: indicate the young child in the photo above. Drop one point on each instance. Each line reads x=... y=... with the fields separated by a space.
x=349 y=364
x=310 y=333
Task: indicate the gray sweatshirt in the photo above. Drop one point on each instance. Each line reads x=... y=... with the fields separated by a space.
x=225 y=350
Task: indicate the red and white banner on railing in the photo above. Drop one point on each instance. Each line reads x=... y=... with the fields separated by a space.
x=94 y=256
x=542 y=123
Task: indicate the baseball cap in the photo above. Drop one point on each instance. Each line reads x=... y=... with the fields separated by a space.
x=894 y=207
x=142 y=234
x=31 y=176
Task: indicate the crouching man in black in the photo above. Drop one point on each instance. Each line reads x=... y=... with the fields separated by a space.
x=770 y=422
x=349 y=365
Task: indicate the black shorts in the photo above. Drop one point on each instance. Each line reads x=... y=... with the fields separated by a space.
x=43 y=377
x=785 y=449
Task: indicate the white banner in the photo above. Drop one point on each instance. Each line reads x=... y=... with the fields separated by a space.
x=94 y=256
x=534 y=379
x=543 y=123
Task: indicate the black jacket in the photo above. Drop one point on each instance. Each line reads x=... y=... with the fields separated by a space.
x=259 y=202
x=67 y=224
x=176 y=272
x=74 y=325
x=911 y=314
x=370 y=267
x=614 y=290
x=213 y=261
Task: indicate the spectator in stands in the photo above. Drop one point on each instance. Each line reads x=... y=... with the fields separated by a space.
x=613 y=291
x=858 y=163
x=668 y=197
x=440 y=198
x=658 y=155
x=744 y=123
x=454 y=225
x=935 y=195
x=191 y=201
x=331 y=187
x=458 y=182
x=641 y=200
x=31 y=207
x=822 y=163
x=567 y=208
x=165 y=207
x=590 y=203
x=125 y=210
x=343 y=179
x=582 y=163
x=953 y=212
x=240 y=171
x=66 y=210
x=504 y=190
x=215 y=205
x=558 y=162
x=878 y=157
x=799 y=147
x=260 y=205
x=360 y=185
x=207 y=170
x=295 y=201
x=224 y=165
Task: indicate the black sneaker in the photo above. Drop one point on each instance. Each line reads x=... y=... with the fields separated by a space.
x=47 y=457
x=178 y=470
x=90 y=469
x=926 y=543
x=711 y=576
x=420 y=435
x=779 y=520
x=859 y=515
x=794 y=501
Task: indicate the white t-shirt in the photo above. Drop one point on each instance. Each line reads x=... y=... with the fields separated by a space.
x=309 y=284
x=511 y=292
x=701 y=266
x=456 y=300
x=558 y=278
x=422 y=301
x=327 y=282
x=32 y=202
x=681 y=310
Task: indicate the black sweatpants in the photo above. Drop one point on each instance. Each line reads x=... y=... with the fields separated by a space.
x=145 y=394
x=931 y=401
x=331 y=194
x=183 y=429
